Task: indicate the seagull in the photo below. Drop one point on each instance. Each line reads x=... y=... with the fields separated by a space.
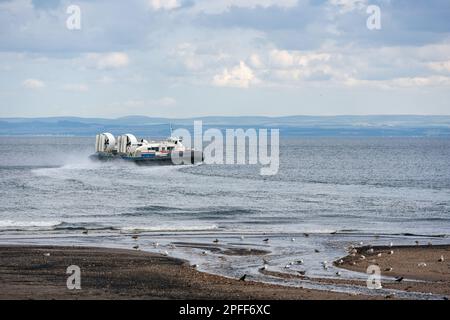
x=264 y=267
x=341 y=261
x=399 y=279
x=293 y=239
x=302 y=272
x=195 y=266
x=388 y=269
x=299 y=261
x=370 y=250
x=441 y=259
x=47 y=254
x=216 y=241
x=391 y=244
x=266 y=240
x=136 y=247
x=338 y=273
x=361 y=243
x=288 y=266
x=363 y=257
x=85 y=232
x=204 y=253
x=306 y=235
x=316 y=251
x=391 y=252
x=379 y=255
x=243 y=277
x=165 y=253
x=155 y=244
x=422 y=265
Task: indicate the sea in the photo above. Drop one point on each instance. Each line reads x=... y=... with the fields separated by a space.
x=329 y=194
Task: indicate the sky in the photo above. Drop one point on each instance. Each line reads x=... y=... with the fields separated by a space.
x=187 y=58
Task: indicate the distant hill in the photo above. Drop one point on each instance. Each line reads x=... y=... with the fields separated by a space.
x=380 y=125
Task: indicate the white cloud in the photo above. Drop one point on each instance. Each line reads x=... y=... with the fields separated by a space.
x=349 y=5
x=441 y=66
x=404 y=82
x=106 y=80
x=141 y=103
x=255 y=61
x=164 y=102
x=112 y=60
x=164 y=4
x=281 y=58
x=240 y=76
x=286 y=59
x=33 y=84
x=76 y=87
x=219 y=6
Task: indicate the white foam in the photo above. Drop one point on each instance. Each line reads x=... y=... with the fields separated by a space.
x=28 y=224
x=169 y=228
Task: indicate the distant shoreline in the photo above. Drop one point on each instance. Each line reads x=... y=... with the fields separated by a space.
x=328 y=126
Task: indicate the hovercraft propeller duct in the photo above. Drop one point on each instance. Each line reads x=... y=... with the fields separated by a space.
x=105 y=142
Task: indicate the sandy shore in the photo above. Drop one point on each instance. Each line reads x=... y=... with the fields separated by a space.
x=419 y=266
x=26 y=273
x=29 y=273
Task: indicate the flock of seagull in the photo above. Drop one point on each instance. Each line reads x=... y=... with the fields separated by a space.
x=353 y=252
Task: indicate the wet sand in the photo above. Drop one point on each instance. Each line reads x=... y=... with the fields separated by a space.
x=26 y=273
x=418 y=265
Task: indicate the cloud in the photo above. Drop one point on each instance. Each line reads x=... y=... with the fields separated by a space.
x=349 y=5
x=112 y=60
x=140 y=103
x=240 y=76
x=164 y=4
x=80 y=87
x=255 y=61
x=220 y=6
x=405 y=82
x=33 y=84
x=441 y=66
x=106 y=80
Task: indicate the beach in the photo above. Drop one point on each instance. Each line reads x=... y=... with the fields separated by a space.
x=419 y=266
x=39 y=272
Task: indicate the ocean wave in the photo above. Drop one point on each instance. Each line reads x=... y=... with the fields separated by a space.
x=11 y=225
x=218 y=212
x=82 y=226
x=27 y=224
x=169 y=228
